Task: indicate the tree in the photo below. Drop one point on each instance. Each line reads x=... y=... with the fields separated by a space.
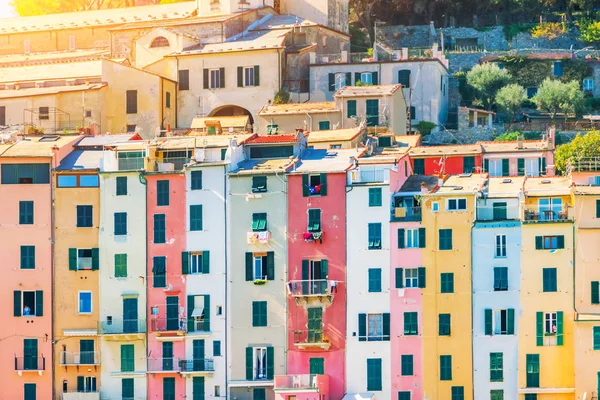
x=510 y=98
x=554 y=96
x=487 y=79
x=583 y=146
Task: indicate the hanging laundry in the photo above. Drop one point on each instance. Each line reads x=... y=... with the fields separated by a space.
x=308 y=236
x=263 y=237
x=252 y=237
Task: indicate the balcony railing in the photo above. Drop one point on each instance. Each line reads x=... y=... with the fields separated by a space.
x=316 y=287
x=165 y=364
x=131 y=164
x=544 y=216
x=171 y=164
x=80 y=358
x=197 y=325
x=497 y=213
x=119 y=326
x=30 y=363
x=588 y=164
x=312 y=338
x=168 y=324
x=306 y=382
x=369 y=176
x=75 y=395
x=406 y=214
x=198 y=365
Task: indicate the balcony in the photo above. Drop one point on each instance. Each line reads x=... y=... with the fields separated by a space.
x=493 y=212
x=587 y=164
x=369 y=175
x=302 y=383
x=197 y=367
x=197 y=326
x=258 y=237
x=80 y=395
x=312 y=339
x=131 y=164
x=168 y=326
x=79 y=358
x=535 y=215
x=171 y=164
x=119 y=329
x=163 y=365
x=313 y=292
x=30 y=364
x=406 y=214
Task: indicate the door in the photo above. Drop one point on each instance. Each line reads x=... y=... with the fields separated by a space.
x=315 y=325
x=30 y=354
x=317 y=366
x=86 y=352
x=500 y=211
x=29 y=391
x=198 y=388
x=167 y=354
x=468 y=165
x=373 y=112
x=130 y=315
x=172 y=313
x=198 y=354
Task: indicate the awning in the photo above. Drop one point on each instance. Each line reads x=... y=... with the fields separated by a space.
x=198 y=312
x=359 y=396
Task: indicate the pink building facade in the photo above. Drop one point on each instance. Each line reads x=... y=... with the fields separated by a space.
x=316 y=288
x=166 y=205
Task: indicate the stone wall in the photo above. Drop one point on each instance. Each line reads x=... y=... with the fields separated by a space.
x=526 y=41
x=491 y=38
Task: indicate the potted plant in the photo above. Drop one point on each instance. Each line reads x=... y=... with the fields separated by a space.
x=260 y=281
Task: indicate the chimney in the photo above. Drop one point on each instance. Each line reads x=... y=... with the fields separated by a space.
x=551 y=137
x=424 y=188
x=520 y=142
x=440 y=181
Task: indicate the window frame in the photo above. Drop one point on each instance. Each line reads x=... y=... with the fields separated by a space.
x=498 y=281
x=550 y=321
x=83 y=219
x=27 y=257
x=214 y=78
x=249 y=73
x=446 y=284
x=198 y=256
x=499 y=315
x=121 y=224
x=415 y=279
x=374 y=281
x=260 y=222
x=79 y=302
x=500 y=248
x=122 y=257
x=589 y=82
x=376 y=334
x=26 y=212
x=410 y=324
x=375 y=197
x=374 y=242
x=259 y=365
x=496 y=367
x=458 y=202
x=413 y=233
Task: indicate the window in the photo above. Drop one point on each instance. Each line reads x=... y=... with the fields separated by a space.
x=550 y=323
x=168 y=99
x=159 y=41
x=411 y=238
x=468 y=165
x=215 y=79
x=549 y=279
x=28 y=303
x=259 y=222
x=44 y=113
x=217 y=391
x=159 y=271
x=27 y=257
x=196 y=180
x=404 y=77
x=340 y=80
x=407 y=365
x=271 y=151
x=160 y=227
x=351 y=108
x=260 y=363
x=184 y=79
x=259 y=313
x=372 y=111
x=366 y=78
x=219 y=310
x=411 y=324
x=595 y=291
x=444 y=325
x=549 y=242
x=86 y=384
x=196 y=217
x=456 y=204
x=557 y=68
x=458 y=392
x=162 y=193
x=549 y=208
x=532 y=369
x=26 y=212
x=374 y=236
x=496 y=167
x=588 y=85
x=496 y=367
x=531 y=396
x=403 y=395
x=314 y=185
x=375 y=327
x=22 y=174
x=85 y=302
x=375 y=280
x=120 y=265
x=260 y=267
x=29 y=389
x=259 y=184
x=216 y=348
x=84 y=217
x=324 y=125
x=131 y=107
x=131 y=128
x=272 y=129
x=121 y=185
x=500 y=246
x=500 y=279
x=259 y=394
x=375 y=197
x=120 y=223
x=374 y=374
x=497 y=394
x=411 y=277
x=447 y=282
x=127 y=358
x=445 y=368
x=83 y=259
x=314 y=220
x=500 y=322
x=435 y=206
x=445 y=236
x=70 y=181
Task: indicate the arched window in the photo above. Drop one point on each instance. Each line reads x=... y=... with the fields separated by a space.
x=160 y=41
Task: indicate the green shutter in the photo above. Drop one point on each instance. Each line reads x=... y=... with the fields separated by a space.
x=190 y=310
x=596 y=292
x=72 y=259
x=488 y=321
x=399 y=280
x=305 y=191
x=249 y=267
x=539 y=242
x=127 y=358
x=362 y=327
x=80 y=383
x=386 y=327
x=270 y=362
x=205 y=262
x=271 y=265
x=205 y=78
x=486 y=165
x=521 y=166
x=421 y=277
x=95 y=259
x=375 y=77
x=401 y=239
x=422 y=238
x=207 y=310
x=505 y=167
x=597 y=208
x=256 y=75
x=511 y=321
x=39 y=303
x=539 y=328
x=445 y=368
x=331 y=82
x=323 y=185
x=560 y=338
x=240 y=76
x=324 y=269
x=351 y=108
x=543 y=166
x=560 y=242
x=185 y=262
x=17 y=303
x=222 y=77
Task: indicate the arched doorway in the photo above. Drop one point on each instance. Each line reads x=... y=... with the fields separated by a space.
x=231 y=111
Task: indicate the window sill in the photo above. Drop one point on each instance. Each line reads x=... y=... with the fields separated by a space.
x=260 y=281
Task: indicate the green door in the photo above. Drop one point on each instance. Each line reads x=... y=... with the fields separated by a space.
x=198 y=388
x=468 y=165
x=130 y=315
x=315 y=325
x=317 y=366
x=373 y=112
x=198 y=354
x=500 y=211
x=172 y=313
x=127 y=389
x=30 y=354
x=29 y=391
x=86 y=352
x=167 y=356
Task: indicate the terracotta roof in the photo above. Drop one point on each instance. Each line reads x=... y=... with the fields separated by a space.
x=334 y=135
x=363 y=91
x=74 y=70
x=261 y=40
x=273 y=139
x=436 y=151
x=299 y=108
x=479 y=110
x=226 y=122
x=512 y=146
x=463 y=184
x=39 y=146
x=28 y=92
x=52 y=57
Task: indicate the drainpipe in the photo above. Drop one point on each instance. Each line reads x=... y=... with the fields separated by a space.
x=52 y=238
x=226 y=277
x=144 y=182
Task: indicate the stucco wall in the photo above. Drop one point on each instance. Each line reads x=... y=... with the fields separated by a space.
x=289 y=123
x=57 y=40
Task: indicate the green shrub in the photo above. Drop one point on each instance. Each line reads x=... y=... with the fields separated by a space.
x=425 y=127
x=549 y=30
x=589 y=31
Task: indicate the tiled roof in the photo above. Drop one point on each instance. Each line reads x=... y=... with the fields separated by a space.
x=512 y=146
x=299 y=108
x=74 y=70
x=413 y=183
x=437 y=151
x=548 y=186
x=261 y=40
x=316 y=160
x=273 y=139
x=52 y=57
x=363 y=91
x=28 y=92
x=39 y=146
x=226 y=122
x=334 y=135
